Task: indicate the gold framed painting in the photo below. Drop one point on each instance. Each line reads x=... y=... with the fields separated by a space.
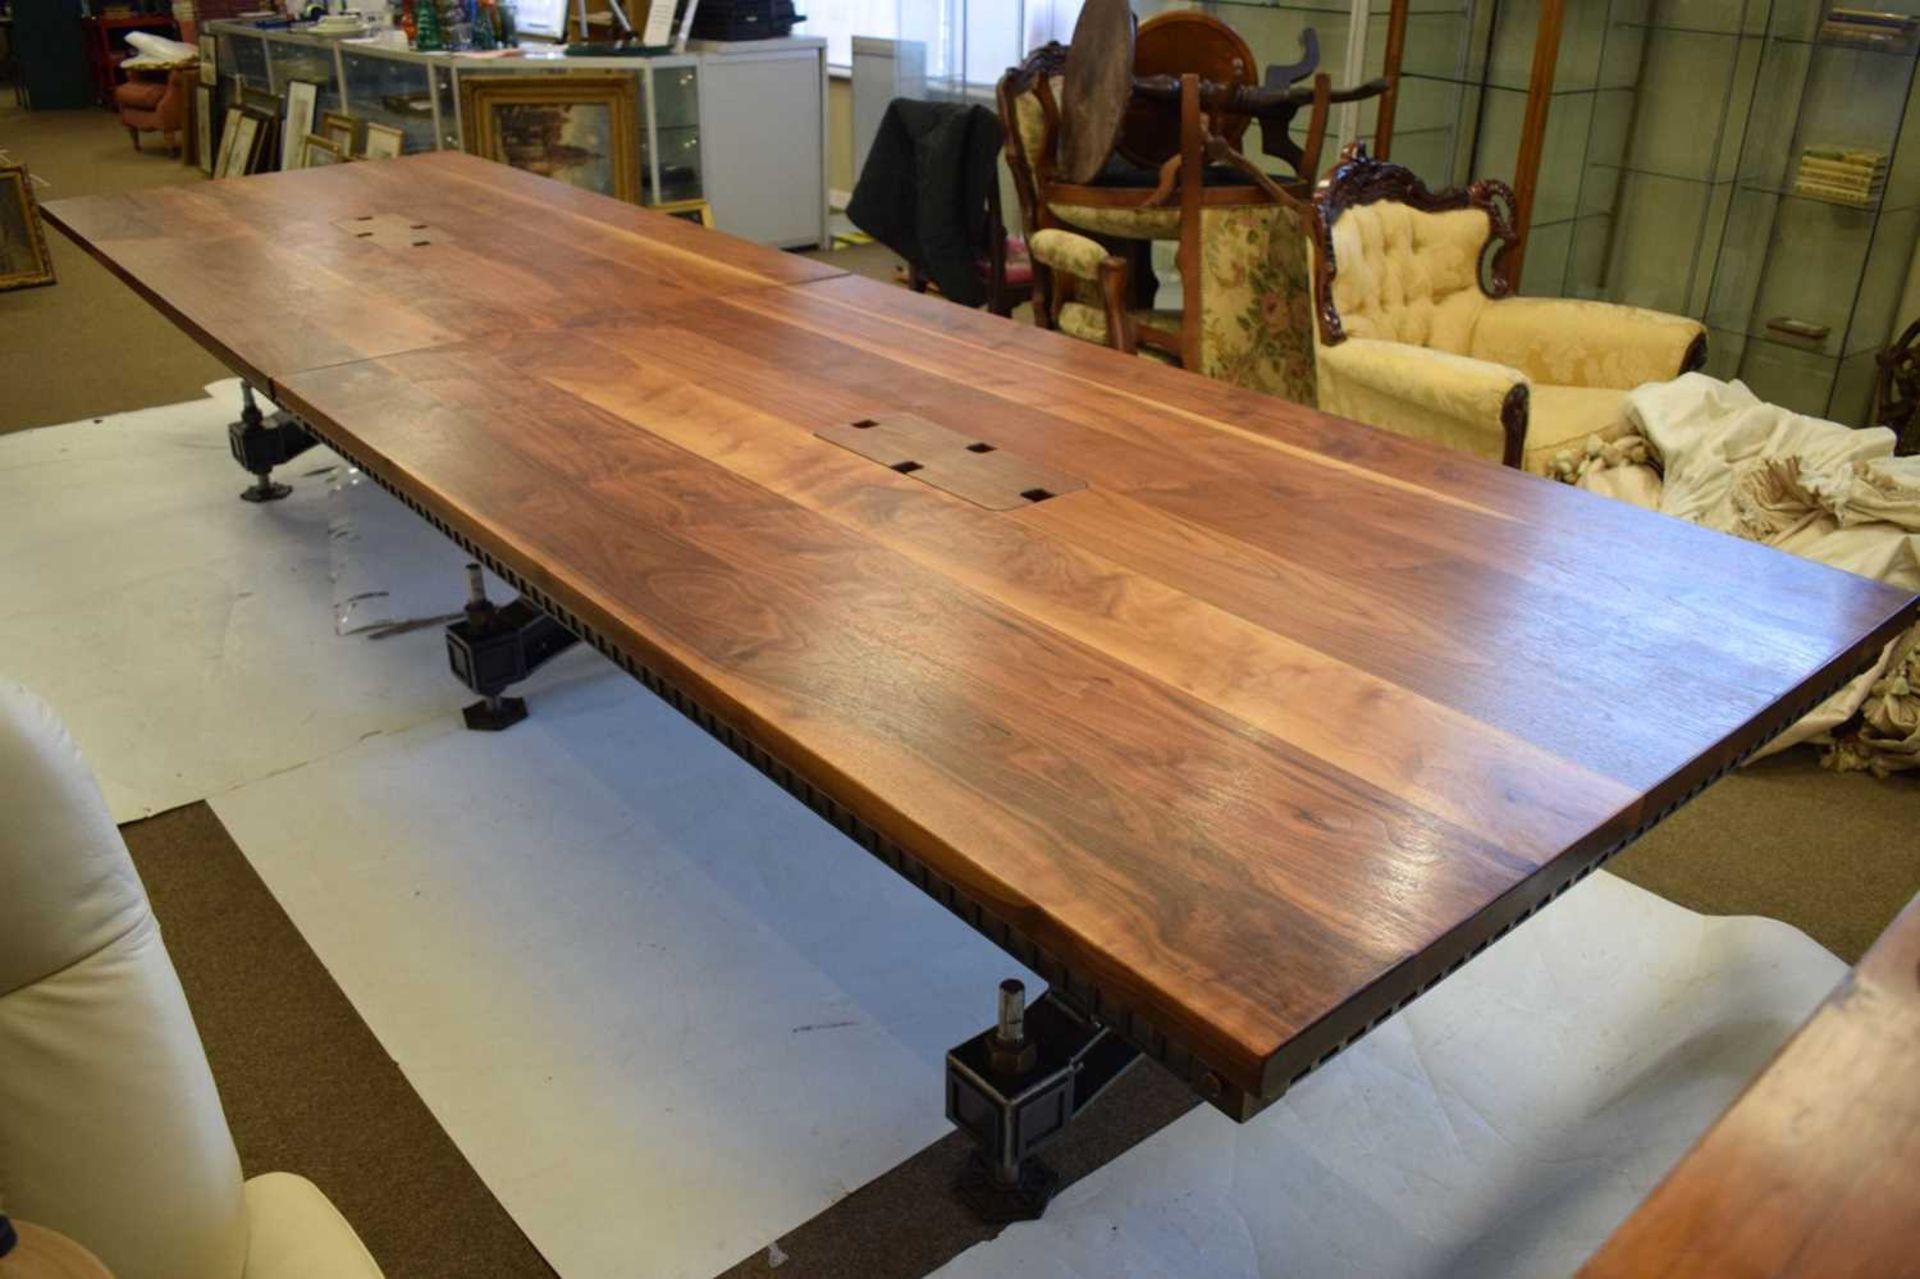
x=316 y=150
x=579 y=128
x=384 y=142
x=24 y=261
x=339 y=129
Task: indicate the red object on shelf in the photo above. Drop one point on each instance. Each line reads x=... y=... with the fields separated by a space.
x=107 y=48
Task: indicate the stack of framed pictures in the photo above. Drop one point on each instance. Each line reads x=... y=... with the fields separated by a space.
x=341 y=130
x=384 y=142
x=246 y=141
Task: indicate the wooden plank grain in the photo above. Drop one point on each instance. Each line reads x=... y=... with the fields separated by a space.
x=1201 y=847
x=1257 y=734
x=1814 y=1172
x=985 y=742
x=1371 y=575
x=1500 y=786
x=262 y=271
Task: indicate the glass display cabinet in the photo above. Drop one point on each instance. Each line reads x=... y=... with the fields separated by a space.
x=1808 y=283
x=671 y=150
x=243 y=53
x=294 y=57
x=767 y=96
x=1660 y=181
x=393 y=91
x=1467 y=79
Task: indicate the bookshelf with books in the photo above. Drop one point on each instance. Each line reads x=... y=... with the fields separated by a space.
x=1808 y=281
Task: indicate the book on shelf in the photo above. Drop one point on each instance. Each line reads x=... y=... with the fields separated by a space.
x=1870 y=29
x=1873 y=18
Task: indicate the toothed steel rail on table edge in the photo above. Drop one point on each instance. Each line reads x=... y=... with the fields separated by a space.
x=1213 y=1085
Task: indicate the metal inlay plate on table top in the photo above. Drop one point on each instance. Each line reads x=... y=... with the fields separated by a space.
x=388 y=230
x=964 y=466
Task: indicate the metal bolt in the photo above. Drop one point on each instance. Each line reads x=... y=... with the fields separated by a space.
x=1009 y=1051
x=476 y=586
x=1013 y=1012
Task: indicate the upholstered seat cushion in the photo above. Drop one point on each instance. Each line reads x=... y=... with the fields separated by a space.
x=1161 y=223
x=1089 y=323
x=1563 y=417
x=141 y=95
x=1405 y=275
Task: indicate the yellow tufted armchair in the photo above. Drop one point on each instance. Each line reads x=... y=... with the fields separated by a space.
x=1410 y=340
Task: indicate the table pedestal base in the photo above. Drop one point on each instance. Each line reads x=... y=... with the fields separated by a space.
x=1016 y=1086
x=496 y=646
x=260 y=443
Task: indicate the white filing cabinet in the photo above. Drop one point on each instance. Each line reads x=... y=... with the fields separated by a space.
x=763 y=134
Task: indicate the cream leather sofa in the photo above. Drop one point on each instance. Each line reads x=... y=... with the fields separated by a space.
x=110 y=1129
x=1408 y=338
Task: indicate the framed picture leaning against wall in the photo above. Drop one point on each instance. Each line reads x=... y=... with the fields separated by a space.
x=580 y=128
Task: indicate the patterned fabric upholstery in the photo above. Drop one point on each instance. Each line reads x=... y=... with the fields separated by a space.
x=1402 y=275
x=1161 y=223
x=1030 y=122
x=1065 y=251
x=1424 y=394
x=1569 y=342
x=1089 y=324
x=1256 y=300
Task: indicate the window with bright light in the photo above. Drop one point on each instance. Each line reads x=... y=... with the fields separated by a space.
x=841 y=20
x=967 y=41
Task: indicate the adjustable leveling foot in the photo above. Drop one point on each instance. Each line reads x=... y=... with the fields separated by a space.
x=260 y=443
x=496 y=646
x=1016 y=1086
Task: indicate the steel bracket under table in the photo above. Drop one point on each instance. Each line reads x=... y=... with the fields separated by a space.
x=495 y=646
x=1017 y=1085
x=260 y=443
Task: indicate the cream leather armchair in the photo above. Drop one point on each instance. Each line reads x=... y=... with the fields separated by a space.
x=1408 y=338
x=110 y=1129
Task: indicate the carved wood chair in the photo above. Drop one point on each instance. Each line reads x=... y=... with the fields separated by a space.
x=1246 y=314
x=1418 y=332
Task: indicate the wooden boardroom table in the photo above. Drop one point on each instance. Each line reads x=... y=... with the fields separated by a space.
x=1242 y=724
